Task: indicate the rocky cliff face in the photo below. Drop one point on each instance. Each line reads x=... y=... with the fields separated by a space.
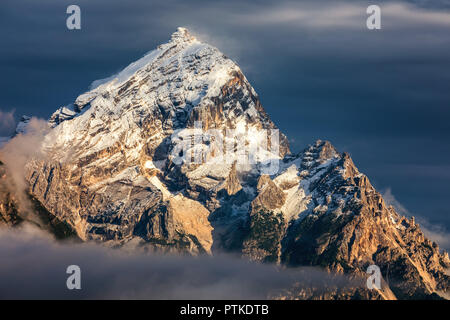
x=119 y=170
x=17 y=208
x=344 y=226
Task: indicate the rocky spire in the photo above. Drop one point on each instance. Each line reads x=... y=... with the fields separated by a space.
x=182 y=35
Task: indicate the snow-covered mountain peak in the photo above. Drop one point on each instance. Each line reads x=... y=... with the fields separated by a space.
x=182 y=35
x=182 y=82
x=183 y=68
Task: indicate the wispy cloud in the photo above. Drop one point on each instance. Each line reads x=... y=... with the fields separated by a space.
x=400 y=12
x=435 y=232
x=327 y=14
x=308 y=15
x=392 y=201
x=16 y=153
x=7 y=122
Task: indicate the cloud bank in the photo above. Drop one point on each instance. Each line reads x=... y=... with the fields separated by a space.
x=34 y=267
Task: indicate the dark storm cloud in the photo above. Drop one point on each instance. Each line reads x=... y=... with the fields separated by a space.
x=381 y=95
x=34 y=267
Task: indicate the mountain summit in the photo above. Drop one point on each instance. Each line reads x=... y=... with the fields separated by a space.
x=175 y=153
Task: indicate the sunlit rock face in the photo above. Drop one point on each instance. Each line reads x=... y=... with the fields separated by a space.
x=125 y=166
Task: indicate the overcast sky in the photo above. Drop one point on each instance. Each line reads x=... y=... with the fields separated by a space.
x=383 y=95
